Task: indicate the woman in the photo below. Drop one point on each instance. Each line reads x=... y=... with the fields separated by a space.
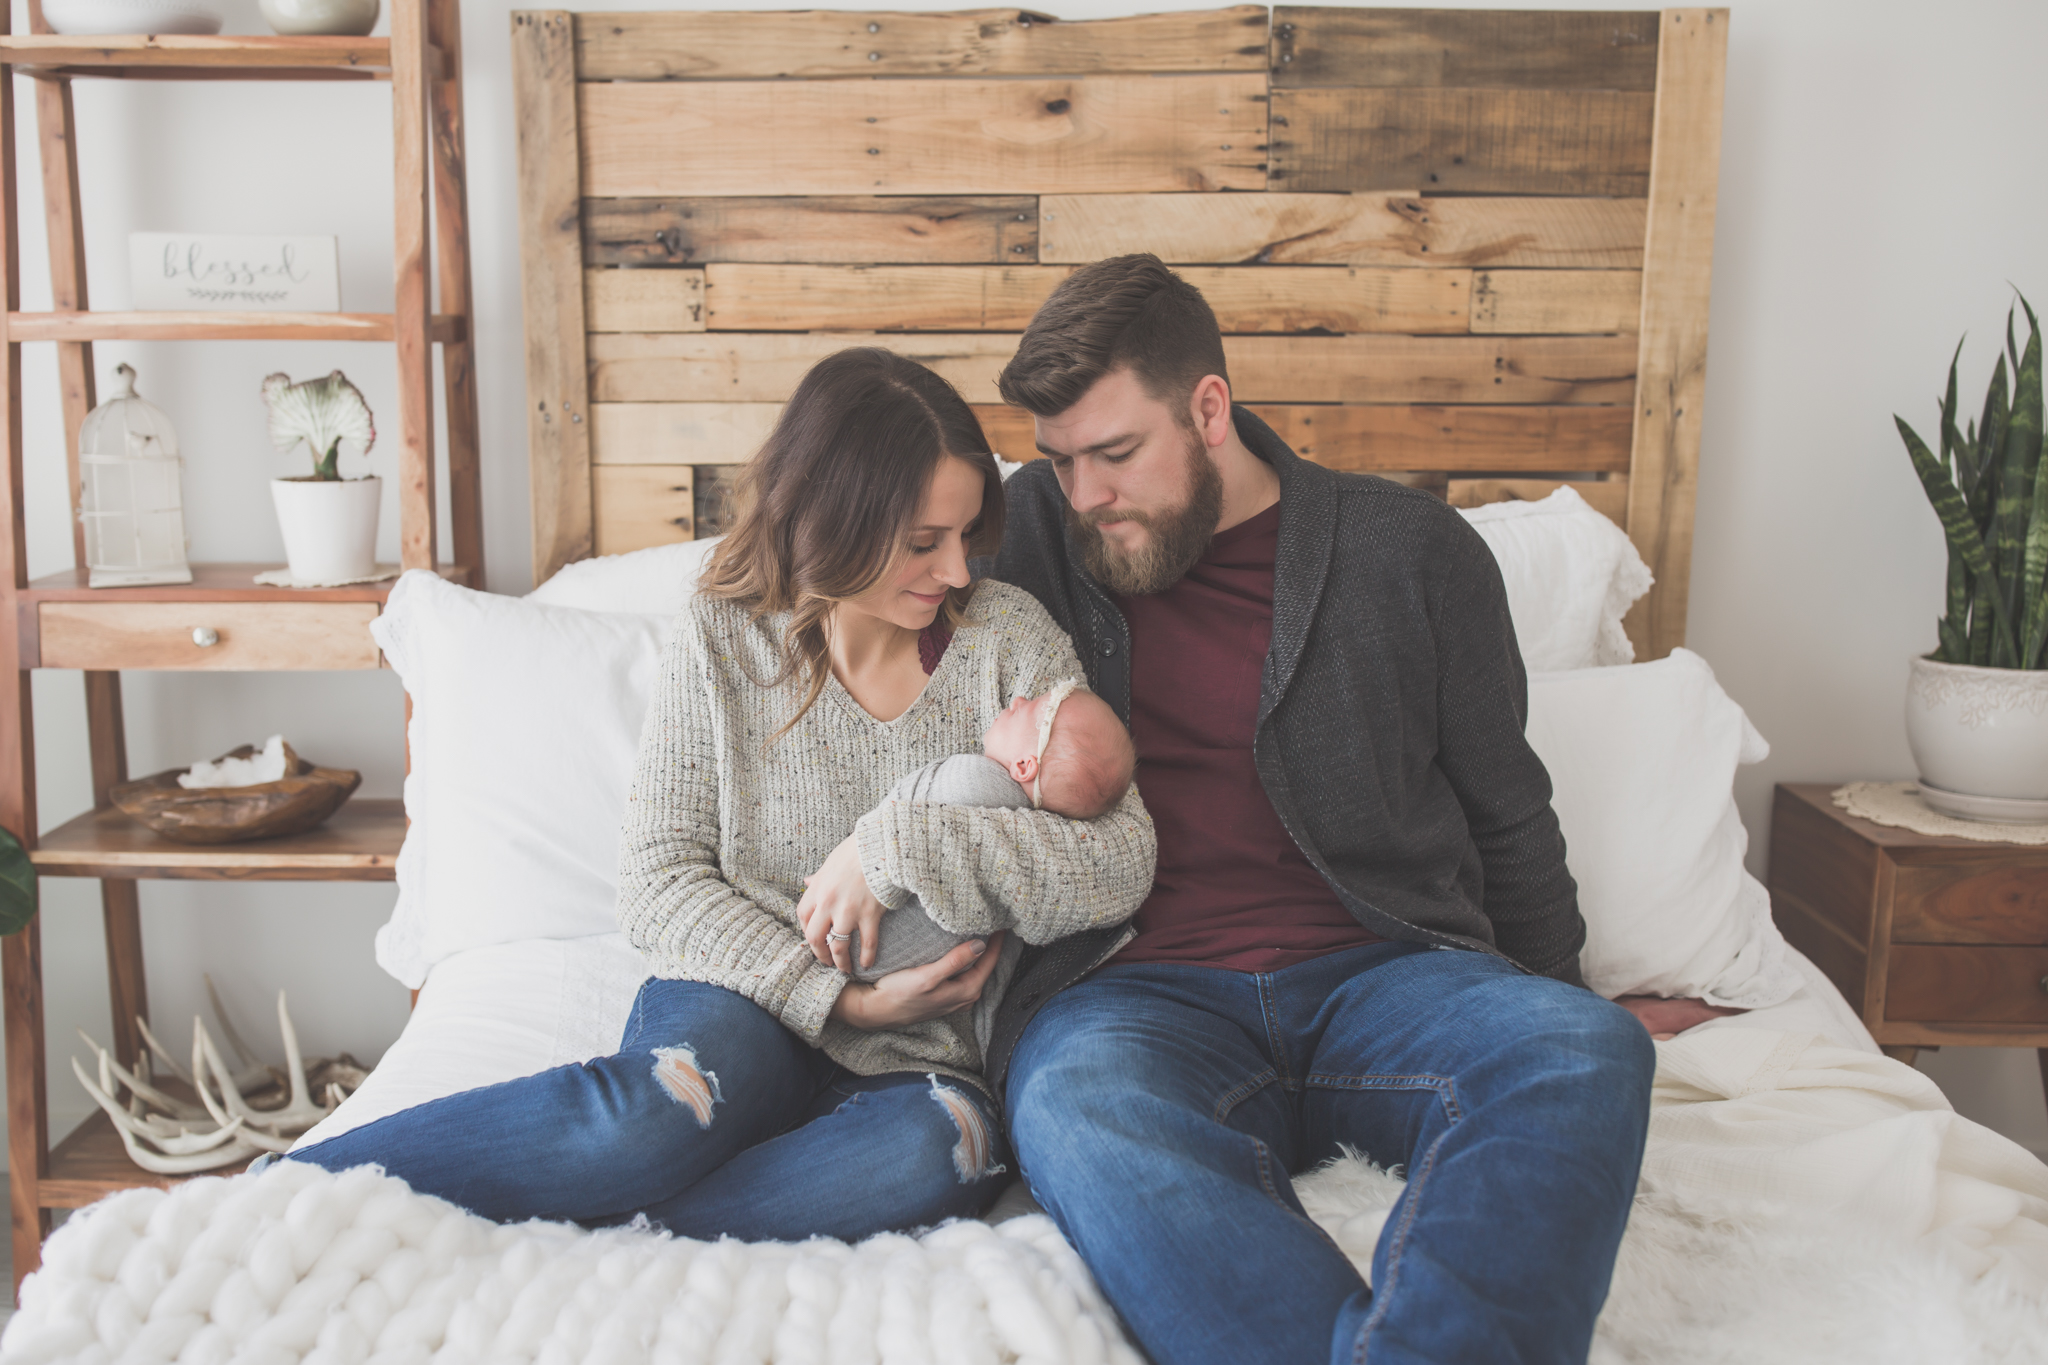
x=836 y=643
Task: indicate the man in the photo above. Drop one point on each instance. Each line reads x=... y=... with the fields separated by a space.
x=1362 y=932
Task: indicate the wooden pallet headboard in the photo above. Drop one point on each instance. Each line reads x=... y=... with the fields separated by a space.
x=1470 y=248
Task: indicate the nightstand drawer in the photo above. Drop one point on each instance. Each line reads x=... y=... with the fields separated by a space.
x=243 y=635
x=1975 y=901
x=1954 y=985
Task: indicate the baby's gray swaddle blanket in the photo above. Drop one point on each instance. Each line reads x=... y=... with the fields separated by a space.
x=909 y=937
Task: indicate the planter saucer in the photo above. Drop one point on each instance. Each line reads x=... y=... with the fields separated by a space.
x=1995 y=810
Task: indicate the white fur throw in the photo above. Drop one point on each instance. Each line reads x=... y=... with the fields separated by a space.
x=1800 y=1203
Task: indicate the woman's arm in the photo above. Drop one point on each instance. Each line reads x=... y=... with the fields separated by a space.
x=673 y=903
x=978 y=869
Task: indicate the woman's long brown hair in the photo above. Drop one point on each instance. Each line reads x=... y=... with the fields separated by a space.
x=828 y=504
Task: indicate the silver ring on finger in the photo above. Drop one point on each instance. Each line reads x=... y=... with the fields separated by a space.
x=837 y=938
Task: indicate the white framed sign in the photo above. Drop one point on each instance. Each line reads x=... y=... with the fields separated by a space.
x=181 y=272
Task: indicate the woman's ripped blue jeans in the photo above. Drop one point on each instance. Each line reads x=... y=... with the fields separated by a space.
x=711 y=1119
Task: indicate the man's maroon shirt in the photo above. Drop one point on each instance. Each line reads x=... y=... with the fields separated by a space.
x=1232 y=889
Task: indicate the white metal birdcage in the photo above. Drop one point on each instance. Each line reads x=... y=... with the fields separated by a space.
x=130 y=500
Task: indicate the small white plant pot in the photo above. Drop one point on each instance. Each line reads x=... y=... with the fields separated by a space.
x=1980 y=734
x=330 y=528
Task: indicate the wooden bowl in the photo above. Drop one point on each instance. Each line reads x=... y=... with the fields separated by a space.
x=227 y=815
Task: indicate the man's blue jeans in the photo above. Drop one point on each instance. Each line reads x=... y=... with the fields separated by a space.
x=712 y=1118
x=1158 y=1111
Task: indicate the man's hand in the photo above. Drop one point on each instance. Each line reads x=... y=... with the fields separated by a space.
x=916 y=994
x=837 y=901
x=1666 y=1019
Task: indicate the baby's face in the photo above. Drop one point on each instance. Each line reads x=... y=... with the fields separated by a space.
x=1014 y=736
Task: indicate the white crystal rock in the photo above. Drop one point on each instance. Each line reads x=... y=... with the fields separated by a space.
x=267 y=766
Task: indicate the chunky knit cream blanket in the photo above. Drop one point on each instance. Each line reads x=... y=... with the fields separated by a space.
x=722 y=825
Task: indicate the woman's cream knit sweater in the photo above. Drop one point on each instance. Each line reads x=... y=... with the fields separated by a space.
x=721 y=831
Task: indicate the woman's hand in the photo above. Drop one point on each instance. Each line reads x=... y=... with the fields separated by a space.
x=836 y=901
x=916 y=994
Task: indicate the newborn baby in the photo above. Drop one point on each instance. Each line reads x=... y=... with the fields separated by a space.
x=1065 y=752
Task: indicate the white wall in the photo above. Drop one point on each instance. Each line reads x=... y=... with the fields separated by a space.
x=1881 y=185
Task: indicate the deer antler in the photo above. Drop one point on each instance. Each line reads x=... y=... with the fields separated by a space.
x=165 y=1141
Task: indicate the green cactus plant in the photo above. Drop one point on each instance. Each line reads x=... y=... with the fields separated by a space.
x=1988 y=489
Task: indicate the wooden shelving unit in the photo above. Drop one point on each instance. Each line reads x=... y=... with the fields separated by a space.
x=59 y=622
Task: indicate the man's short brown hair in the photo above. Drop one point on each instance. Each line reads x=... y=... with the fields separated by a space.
x=1126 y=312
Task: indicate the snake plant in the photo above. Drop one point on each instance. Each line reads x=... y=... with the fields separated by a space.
x=321 y=412
x=1988 y=488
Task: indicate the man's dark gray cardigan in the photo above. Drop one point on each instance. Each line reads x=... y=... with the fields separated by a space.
x=1390 y=719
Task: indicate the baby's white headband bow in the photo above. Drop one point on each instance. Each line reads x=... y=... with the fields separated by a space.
x=1061 y=690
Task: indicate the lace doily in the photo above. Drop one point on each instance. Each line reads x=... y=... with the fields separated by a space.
x=1898 y=804
x=282 y=578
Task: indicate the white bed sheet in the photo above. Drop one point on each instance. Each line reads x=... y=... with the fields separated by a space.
x=496 y=1013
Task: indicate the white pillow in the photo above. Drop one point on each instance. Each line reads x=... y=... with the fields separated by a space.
x=1571 y=576
x=655 y=581
x=525 y=726
x=1642 y=760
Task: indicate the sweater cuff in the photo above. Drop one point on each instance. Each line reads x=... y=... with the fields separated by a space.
x=877 y=842
x=811 y=997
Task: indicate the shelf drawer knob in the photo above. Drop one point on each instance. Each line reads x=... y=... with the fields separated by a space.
x=205 y=636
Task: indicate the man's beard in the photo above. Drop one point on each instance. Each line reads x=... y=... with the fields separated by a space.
x=1177 y=537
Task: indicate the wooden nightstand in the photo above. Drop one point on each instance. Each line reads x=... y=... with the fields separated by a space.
x=1935 y=941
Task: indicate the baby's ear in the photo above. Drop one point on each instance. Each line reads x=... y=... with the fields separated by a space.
x=1022 y=770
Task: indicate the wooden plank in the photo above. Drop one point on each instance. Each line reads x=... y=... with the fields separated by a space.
x=1132 y=133
x=56 y=130
x=451 y=242
x=214 y=582
x=1345 y=229
x=1501 y=439
x=912 y=298
x=412 y=305
x=1008 y=42
x=256 y=55
x=638 y=505
x=123 y=326
x=1583 y=142
x=1340 y=299
x=1525 y=49
x=708 y=435
x=1572 y=301
x=679 y=433
x=1377 y=369
x=733 y=367
x=820 y=230
x=644 y=300
x=1609 y=497
x=1678 y=264
x=764 y=367
x=252 y=635
x=21 y=970
x=359 y=842
x=120 y=906
x=1247 y=299
x=551 y=268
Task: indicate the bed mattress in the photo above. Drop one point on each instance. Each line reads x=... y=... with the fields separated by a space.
x=497 y=1013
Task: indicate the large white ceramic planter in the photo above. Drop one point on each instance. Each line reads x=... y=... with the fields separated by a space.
x=1979 y=732
x=330 y=527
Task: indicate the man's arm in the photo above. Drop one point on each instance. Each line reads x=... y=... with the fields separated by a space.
x=1482 y=705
